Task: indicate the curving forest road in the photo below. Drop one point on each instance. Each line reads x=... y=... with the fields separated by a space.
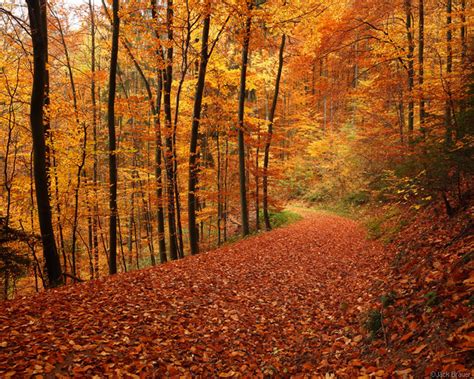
x=282 y=303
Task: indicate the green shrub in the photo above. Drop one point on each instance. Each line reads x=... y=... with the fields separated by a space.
x=373 y=322
x=357 y=198
x=432 y=299
x=278 y=219
x=319 y=196
x=374 y=227
x=388 y=299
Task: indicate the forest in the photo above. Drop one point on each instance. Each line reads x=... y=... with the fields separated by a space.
x=268 y=188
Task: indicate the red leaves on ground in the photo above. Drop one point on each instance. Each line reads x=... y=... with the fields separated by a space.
x=284 y=302
x=429 y=325
x=290 y=302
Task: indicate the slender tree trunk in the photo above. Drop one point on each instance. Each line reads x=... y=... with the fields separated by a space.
x=464 y=66
x=62 y=248
x=241 y=112
x=184 y=69
x=421 y=47
x=411 y=70
x=160 y=214
x=37 y=15
x=112 y=139
x=168 y=79
x=257 y=180
x=266 y=158
x=82 y=162
x=449 y=68
x=193 y=151
x=32 y=221
x=124 y=263
x=219 y=190
x=226 y=175
x=159 y=146
x=146 y=213
x=95 y=168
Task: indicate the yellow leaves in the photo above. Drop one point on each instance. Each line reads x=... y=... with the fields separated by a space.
x=404 y=372
x=419 y=349
x=318 y=148
x=228 y=374
x=237 y=354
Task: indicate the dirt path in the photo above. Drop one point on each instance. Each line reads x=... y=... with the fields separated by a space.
x=284 y=302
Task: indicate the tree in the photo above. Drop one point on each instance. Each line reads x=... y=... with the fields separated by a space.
x=112 y=139
x=241 y=112
x=411 y=70
x=37 y=16
x=421 y=68
x=268 y=141
x=193 y=151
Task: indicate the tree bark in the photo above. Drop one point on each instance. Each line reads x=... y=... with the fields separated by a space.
x=421 y=47
x=449 y=68
x=159 y=147
x=168 y=79
x=241 y=110
x=266 y=158
x=37 y=16
x=193 y=150
x=95 y=241
x=411 y=70
x=112 y=139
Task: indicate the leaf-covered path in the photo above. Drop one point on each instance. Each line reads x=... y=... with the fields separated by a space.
x=284 y=302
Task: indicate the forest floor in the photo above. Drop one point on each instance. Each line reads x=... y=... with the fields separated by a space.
x=288 y=302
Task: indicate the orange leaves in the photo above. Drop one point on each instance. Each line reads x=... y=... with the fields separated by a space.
x=268 y=305
x=285 y=303
x=418 y=350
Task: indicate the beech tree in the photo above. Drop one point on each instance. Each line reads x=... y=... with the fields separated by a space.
x=37 y=10
x=112 y=139
x=241 y=113
x=193 y=152
x=268 y=142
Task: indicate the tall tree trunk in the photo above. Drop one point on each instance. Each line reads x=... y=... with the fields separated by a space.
x=464 y=66
x=219 y=190
x=449 y=68
x=257 y=181
x=159 y=146
x=421 y=47
x=160 y=213
x=266 y=158
x=193 y=151
x=37 y=15
x=112 y=139
x=241 y=111
x=411 y=70
x=225 y=185
x=95 y=240
x=168 y=79
x=184 y=69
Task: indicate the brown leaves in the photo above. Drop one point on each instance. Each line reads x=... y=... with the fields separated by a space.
x=428 y=324
x=288 y=302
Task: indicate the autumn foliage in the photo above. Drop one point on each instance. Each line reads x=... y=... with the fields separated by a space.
x=138 y=132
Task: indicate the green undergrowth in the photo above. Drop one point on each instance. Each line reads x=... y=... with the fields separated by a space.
x=283 y=218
